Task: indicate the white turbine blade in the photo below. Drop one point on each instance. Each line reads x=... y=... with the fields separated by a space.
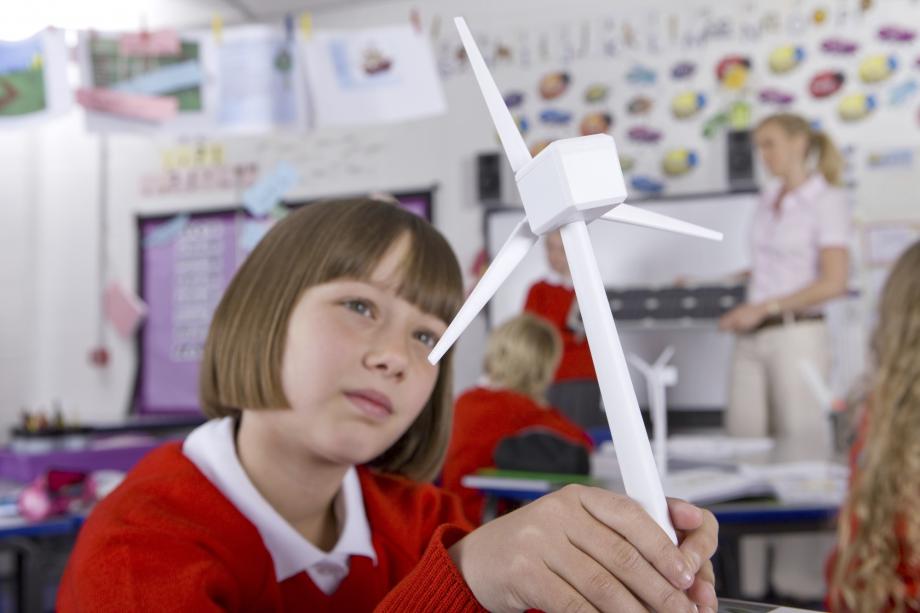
x=509 y=256
x=625 y=213
x=634 y=452
x=665 y=356
x=513 y=144
x=816 y=384
x=640 y=364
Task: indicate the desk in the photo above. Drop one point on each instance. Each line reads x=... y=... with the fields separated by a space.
x=31 y=543
x=736 y=519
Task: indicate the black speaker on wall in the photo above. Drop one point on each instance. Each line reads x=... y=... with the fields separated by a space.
x=488 y=178
x=740 y=160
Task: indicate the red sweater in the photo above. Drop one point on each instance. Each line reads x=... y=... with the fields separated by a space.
x=167 y=539
x=553 y=303
x=482 y=418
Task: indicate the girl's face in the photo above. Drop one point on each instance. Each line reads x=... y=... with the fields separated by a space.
x=780 y=151
x=555 y=254
x=355 y=368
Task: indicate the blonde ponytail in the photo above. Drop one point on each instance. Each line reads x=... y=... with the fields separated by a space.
x=830 y=162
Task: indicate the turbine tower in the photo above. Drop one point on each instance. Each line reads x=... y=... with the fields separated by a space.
x=569 y=184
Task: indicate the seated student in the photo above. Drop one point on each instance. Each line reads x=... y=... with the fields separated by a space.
x=521 y=356
x=877 y=563
x=304 y=491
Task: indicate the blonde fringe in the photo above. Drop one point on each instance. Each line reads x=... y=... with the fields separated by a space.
x=879 y=526
x=830 y=161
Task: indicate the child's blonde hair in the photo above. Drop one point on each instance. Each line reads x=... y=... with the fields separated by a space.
x=830 y=162
x=319 y=243
x=522 y=354
x=879 y=526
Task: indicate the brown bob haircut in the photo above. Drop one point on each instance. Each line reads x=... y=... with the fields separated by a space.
x=319 y=243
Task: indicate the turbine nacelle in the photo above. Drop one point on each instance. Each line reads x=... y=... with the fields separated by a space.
x=571 y=179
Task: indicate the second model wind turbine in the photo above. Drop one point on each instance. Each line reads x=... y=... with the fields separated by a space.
x=569 y=184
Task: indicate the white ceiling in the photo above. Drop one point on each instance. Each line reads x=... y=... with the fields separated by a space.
x=269 y=9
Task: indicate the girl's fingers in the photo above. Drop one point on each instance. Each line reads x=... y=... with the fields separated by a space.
x=553 y=593
x=624 y=516
x=614 y=558
x=596 y=584
x=703 y=593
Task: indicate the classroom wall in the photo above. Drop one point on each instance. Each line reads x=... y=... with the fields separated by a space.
x=49 y=218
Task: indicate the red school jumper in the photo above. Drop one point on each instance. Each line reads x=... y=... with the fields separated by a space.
x=482 y=418
x=167 y=539
x=553 y=303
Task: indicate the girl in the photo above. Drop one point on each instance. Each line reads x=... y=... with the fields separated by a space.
x=574 y=390
x=303 y=493
x=521 y=356
x=799 y=262
x=877 y=566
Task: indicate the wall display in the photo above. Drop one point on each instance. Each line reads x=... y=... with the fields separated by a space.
x=184 y=269
x=855 y=107
x=839 y=46
x=877 y=67
x=596 y=93
x=164 y=91
x=553 y=85
x=640 y=105
x=514 y=99
x=896 y=34
x=646 y=185
x=902 y=92
x=773 y=95
x=732 y=71
x=371 y=75
x=259 y=84
x=556 y=117
x=595 y=123
x=641 y=75
x=683 y=70
x=783 y=59
x=826 y=83
x=644 y=134
x=33 y=78
x=687 y=104
x=677 y=162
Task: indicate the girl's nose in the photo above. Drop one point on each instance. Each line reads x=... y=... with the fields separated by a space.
x=388 y=355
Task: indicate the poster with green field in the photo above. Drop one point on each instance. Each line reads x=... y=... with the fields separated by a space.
x=22 y=77
x=33 y=78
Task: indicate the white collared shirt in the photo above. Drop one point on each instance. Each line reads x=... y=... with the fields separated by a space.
x=211 y=447
x=787 y=244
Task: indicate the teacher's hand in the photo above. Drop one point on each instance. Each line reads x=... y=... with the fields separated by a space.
x=743 y=318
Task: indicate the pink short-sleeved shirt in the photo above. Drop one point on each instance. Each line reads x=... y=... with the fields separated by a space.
x=786 y=245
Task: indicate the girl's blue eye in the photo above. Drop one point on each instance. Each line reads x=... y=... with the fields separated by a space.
x=362 y=307
x=426 y=338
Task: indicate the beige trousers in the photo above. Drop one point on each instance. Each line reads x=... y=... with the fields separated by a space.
x=770 y=396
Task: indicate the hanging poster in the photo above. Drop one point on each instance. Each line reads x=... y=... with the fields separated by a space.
x=371 y=75
x=33 y=78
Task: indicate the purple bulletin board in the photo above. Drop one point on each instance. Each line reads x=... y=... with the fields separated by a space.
x=185 y=263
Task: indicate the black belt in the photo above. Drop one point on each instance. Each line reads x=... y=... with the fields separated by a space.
x=779 y=320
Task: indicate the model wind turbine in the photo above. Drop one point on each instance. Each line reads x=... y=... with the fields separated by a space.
x=569 y=184
x=658 y=377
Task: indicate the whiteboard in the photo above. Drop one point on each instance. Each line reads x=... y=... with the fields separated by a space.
x=631 y=256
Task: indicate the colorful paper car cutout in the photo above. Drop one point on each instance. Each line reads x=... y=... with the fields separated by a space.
x=877 y=68
x=627 y=162
x=514 y=99
x=554 y=84
x=771 y=95
x=896 y=34
x=839 y=46
x=678 y=162
x=854 y=107
x=687 y=104
x=595 y=123
x=901 y=92
x=826 y=83
x=682 y=70
x=640 y=105
x=785 y=58
x=555 y=116
x=729 y=62
x=646 y=185
x=640 y=74
x=596 y=93
x=643 y=134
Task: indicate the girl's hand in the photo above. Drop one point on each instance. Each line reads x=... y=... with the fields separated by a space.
x=743 y=318
x=588 y=549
